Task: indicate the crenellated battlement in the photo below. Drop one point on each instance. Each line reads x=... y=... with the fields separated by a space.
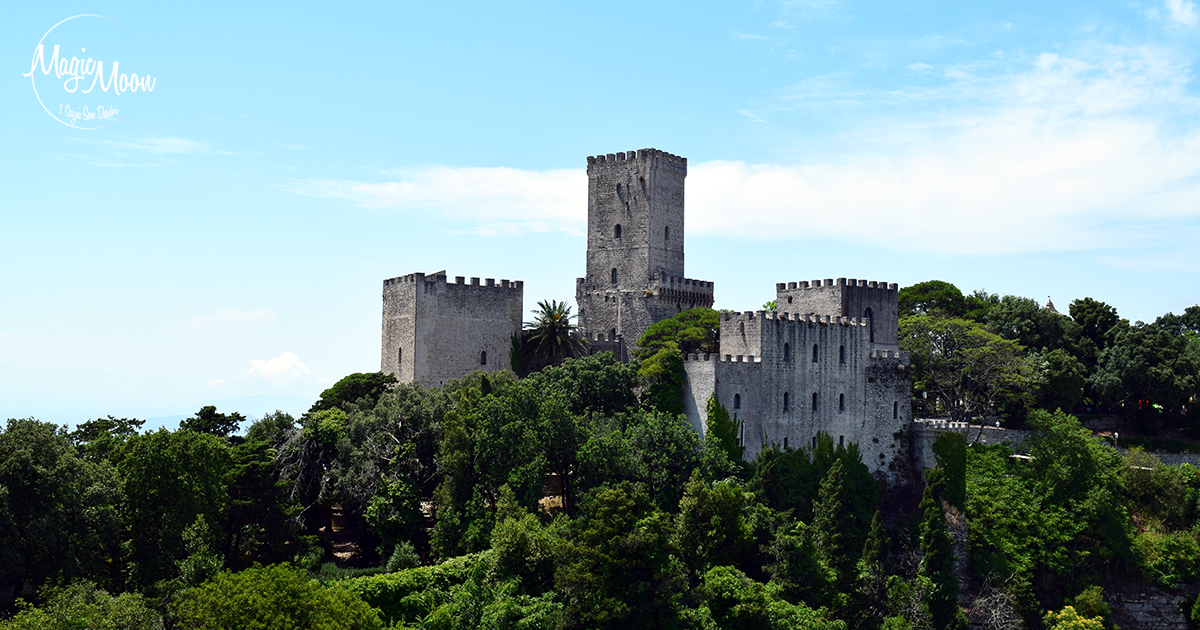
x=459 y=281
x=648 y=157
x=839 y=282
x=809 y=318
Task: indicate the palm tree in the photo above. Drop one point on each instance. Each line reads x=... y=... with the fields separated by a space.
x=551 y=334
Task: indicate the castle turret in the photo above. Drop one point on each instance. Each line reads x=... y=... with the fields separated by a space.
x=635 y=245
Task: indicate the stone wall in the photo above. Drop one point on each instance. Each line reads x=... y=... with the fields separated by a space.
x=875 y=302
x=435 y=330
x=768 y=378
x=1149 y=608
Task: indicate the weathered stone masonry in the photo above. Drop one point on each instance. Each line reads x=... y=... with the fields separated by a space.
x=435 y=330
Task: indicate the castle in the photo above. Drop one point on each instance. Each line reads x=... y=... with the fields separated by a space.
x=826 y=360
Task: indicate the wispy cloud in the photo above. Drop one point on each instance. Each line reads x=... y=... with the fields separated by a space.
x=499 y=200
x=225 y=320
x=282 y=373
x=1090 y=150
x=294 y=147
x=1182 y=11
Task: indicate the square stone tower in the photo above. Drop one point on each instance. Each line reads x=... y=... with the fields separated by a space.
x=435 y=330
x=635 y=245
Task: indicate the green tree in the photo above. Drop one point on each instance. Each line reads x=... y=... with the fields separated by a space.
x=712 y=529
x=722 y=430
x=1027 y=323
x=59 y=516
x=353 y=389
x=932 y=297
x=97 y=439
x=937 y=565
x=169 y=479
x=729 y=599
x=1063 y=378
x=277 y=597
x=663 y=375
x=695 y=330
x=836 y=532
x=551 y=335
x=1148 y=364
x=967 y=369
x=207 y=420
x=84 y=606
x=950 y=448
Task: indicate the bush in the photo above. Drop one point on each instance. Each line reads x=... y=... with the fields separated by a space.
x=1168 y=559
x=83 y=606
x=277 y=597
x=411 y=594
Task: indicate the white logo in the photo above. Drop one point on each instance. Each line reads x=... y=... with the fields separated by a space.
x=85 y=72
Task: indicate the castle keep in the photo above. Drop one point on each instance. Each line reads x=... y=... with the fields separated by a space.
x=826 y=361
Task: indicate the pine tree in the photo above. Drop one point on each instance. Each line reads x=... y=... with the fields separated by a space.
x=833 y=522
x=938 y=563
x=869 y=599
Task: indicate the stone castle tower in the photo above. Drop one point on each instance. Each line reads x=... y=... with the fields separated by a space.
x=435 y=330
x=635 y=246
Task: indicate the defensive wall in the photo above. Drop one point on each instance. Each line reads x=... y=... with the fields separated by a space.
x=876 y=302
x=789 y=376
x=435 y=330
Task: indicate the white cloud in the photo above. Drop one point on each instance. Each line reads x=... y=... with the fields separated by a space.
x=1070 y=154
x=498 y=200
x=919 y=67
x=1182 y=11
x=1090 y=150
x=282 y=373
x=226 y=320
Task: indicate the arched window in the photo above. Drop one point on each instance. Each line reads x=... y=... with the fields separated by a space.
x=617 y=231
x=787 y=352
x=667 y=233
x=737 y=401
x=614 y=275
x=742 y=328
x=895 y=409
x=814 y=353
x=870 y=317
x=842 y=354
x=483 y=358
x=814 y=401
x=785 y=401
x=841 y=403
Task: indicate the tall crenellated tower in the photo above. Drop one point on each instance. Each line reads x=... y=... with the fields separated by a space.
x=635 y=245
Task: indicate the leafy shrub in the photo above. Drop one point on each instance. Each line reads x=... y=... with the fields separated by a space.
x=1168 y=559
x=411 y=594
x=83 y=606
x=277 y=597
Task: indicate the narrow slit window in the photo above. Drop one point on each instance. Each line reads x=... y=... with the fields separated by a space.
x=842 y=354
x=614 y=275
x=785 y=444
x=785 y=401
x=483 y=358
x=814 y=442
x=617 y=231
x=737 y=401
x=814 y=353
x=667 y=233
x=895 y=409
x=841 y=440
x=841 y=402
x=814 y=404
x=787 y=352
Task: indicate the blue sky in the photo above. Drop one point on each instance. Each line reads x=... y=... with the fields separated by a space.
x=226 y=240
